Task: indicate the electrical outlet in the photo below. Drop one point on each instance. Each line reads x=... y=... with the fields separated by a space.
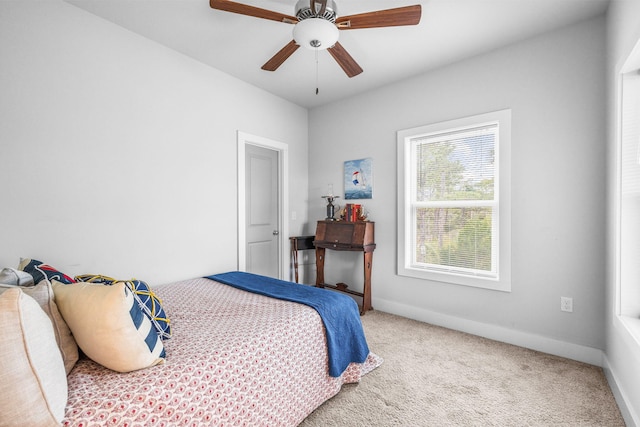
x=566 y=304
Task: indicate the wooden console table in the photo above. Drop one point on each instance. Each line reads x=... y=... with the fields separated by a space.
x=299 y=243
x=346 y=236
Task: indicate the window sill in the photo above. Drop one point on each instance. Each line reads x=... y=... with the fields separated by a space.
x=632 y=325
x=503 y=285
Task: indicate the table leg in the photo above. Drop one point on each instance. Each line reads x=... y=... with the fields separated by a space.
x=294 y=252
x=366 y=298
x=320 y=267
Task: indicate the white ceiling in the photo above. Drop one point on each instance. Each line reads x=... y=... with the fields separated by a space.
x=449 y=31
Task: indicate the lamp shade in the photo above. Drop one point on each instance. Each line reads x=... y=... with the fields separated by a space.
x=315 y=33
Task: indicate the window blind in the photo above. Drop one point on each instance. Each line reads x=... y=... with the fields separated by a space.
x=454 y=200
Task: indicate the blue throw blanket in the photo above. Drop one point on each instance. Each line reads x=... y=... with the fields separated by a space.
x=345 y=338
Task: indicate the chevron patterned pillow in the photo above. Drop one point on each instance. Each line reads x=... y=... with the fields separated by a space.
x=149 y=303
x=109 y=325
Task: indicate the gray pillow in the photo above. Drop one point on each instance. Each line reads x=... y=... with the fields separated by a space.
x=11 y=276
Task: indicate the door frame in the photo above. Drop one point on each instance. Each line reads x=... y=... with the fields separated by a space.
x=245 y=139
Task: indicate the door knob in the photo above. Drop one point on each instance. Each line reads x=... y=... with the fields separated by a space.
x=276 y=232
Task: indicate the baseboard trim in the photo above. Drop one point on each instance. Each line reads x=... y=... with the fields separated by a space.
x=631 y=419
x=577 y=352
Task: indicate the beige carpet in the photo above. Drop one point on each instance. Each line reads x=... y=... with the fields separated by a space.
x=432 y=376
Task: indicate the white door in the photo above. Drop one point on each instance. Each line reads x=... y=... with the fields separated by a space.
x=263 y=191
x=262 y=225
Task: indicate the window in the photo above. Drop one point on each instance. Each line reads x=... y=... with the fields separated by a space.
x=453 y=201
x=629 y=199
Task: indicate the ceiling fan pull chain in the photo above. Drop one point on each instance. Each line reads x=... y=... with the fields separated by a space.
x=317 y=71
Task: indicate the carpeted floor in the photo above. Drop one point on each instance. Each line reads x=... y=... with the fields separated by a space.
x=432 y=376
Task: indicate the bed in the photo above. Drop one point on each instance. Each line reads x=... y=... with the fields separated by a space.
x=235 y=358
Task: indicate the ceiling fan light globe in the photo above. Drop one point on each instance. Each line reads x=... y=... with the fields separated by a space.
x=310 y=32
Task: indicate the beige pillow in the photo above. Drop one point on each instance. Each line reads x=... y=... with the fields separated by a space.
x=33 y=382
x=43 y=294
x=108 y=325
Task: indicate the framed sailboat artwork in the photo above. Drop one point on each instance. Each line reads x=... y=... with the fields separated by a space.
x=358 y=179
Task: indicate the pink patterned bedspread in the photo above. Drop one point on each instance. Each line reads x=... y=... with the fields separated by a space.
x=235 y=359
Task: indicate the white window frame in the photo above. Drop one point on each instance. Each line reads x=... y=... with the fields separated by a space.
x=501 y=279
x=627 y=288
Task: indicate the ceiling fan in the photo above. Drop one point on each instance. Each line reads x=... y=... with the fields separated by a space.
x=316 y=26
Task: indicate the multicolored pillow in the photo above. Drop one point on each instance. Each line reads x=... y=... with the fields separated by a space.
x=147 y=300
x=95 y=278
x=41 y=271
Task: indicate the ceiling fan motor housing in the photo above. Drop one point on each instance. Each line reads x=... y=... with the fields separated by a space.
x=306 y=9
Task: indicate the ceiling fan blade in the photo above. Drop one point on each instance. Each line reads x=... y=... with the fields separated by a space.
x=243 y=9
x=408 y=15
x=342 y=57
x=281 y=56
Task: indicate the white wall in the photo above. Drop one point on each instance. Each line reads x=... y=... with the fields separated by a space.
x=117 y=155
x=623 y=351
x=555 y=86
